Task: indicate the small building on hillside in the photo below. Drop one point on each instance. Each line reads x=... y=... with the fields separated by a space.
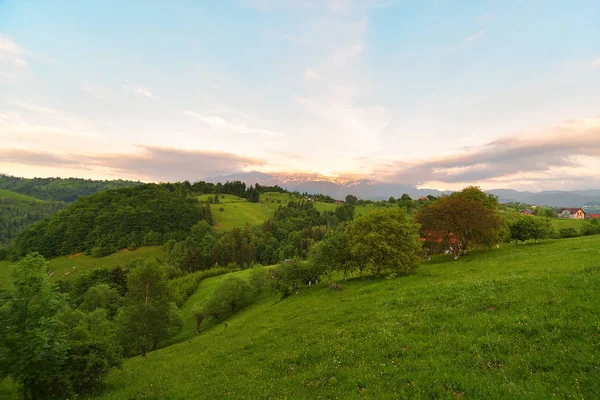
x=571 y=213
x=339 y=202
x=527 y=212
x=594 y=216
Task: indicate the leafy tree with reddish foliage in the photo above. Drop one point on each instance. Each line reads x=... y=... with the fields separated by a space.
x=461 y=220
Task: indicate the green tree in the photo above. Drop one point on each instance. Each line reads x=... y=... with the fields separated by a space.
x=229 y=296
x=95 y=349
x=385 y=241
x=259 y=279
x=351 y=200
x=34 y=345
x=333 y=253
x=149 y=314
x=529 y=227
x=101 y=296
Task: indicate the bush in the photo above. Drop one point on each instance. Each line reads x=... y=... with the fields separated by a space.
x=568 y=233
x=221 y=209
x=591 y=228
x=229 y=296
x=287 y=277
x=259 y=279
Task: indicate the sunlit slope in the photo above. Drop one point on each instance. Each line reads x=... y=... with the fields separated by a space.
x=69 y=267
x=515 y=322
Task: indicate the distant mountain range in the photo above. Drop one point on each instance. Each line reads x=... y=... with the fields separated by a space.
x=339 y=187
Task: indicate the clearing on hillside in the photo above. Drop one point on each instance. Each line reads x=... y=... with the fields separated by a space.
x=68 y=267
x=515 y=322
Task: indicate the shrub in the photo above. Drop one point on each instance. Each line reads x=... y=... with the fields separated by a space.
x=287 y=277
x=259 y=279
x=229 y=296
x=568 y=232
x=591 y=228
x=221 y=209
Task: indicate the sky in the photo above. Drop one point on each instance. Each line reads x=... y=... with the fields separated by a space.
x=437 y=94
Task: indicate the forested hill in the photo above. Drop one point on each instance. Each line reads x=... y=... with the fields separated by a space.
x=105 y=222
x=18 y=211
x=59 y=189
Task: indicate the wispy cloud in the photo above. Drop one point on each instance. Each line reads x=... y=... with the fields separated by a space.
x=596 y=62
x=559 y=147
x=223 y=124
x=12 y=53
x=311 y=74
x=97 y=92
x=148 y=163
x=139 y=90
x=474 y=36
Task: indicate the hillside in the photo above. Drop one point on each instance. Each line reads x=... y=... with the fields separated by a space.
x=113 y=220
x=59 y=189
x=70 y=267
x=18 y=211
x=514 y=322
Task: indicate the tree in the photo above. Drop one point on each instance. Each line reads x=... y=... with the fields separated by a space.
x=385 y=241
x=351 y=200
x=461 y=220
x=33 y=340
x=333 y=253
x=101 y=296
x=259 y=279
x=149 y=315
x=528 y=227
x=95 y=349
x=229 y=296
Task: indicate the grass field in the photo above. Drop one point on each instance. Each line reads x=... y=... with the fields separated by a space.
x=239 y=214
x=223 y=198
x=204 y=292
x=17 y=196
x=76 y=265
x=559 y=223
x=519 y=322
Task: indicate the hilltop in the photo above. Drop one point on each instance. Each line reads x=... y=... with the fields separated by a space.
x=60 y=189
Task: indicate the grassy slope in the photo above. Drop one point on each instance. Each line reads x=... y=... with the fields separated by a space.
x=75 y=265
x=204 y=292
x=239 y=214
x=518 y=322
x=568 y=223
x=17 y=196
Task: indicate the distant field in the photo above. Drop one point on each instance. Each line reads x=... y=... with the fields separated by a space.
x=17 y=196
x=239 y=214
x=559 y=223
x=519 y=322
x=76 y=265
x=223 y=198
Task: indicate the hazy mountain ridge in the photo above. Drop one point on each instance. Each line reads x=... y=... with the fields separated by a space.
x=339 y=187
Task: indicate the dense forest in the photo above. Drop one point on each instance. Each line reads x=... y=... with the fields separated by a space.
x=18 y=212
x=115 y=219
x=59 y=189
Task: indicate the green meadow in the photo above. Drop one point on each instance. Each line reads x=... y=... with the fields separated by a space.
x=519 y=322
x=17 y=196
x=68 y=267
x=559 y=223
x=229 y=215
